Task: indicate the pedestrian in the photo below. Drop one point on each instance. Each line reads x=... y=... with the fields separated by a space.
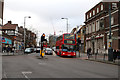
x=7 y=49
x=114 y=55
x=88 y=52
x=13 y=50
x=3 y=49
x=118 y=54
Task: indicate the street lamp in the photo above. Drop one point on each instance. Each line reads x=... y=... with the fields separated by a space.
x=110 y=50
x=24 y=29
x=67 y=23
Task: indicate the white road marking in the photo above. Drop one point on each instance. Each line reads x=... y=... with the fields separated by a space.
x=42 y=63
x=5 y=74
x=24 y=73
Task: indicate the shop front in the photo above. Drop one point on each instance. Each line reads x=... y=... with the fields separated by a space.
x=6 y=44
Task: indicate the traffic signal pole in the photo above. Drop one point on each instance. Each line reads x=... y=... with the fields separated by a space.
x=41 y=51
x=42 y=39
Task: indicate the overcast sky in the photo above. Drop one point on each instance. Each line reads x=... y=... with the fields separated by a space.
x=46 y=14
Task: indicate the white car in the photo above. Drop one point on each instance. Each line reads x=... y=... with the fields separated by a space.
x=48 y=51
x=28 y=50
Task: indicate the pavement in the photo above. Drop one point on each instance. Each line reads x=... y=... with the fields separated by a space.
x=98 y=58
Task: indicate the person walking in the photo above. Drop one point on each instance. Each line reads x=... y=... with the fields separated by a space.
x=114 y=55
x=88 y=52
x=118 y=54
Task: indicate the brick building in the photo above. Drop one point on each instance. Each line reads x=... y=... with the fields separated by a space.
x=97 y=27
x=12 y=31
x=82 y=40
x=30 y=37
x=15 y=36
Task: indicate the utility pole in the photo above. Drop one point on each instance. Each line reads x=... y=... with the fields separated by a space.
x=24 y=30
x=110 y=50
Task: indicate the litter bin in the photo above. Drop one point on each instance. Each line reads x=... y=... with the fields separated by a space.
x=110 y=54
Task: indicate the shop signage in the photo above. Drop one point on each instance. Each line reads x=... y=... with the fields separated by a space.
x=6 y=41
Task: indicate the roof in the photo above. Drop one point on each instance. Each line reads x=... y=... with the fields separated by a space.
x=10 y=26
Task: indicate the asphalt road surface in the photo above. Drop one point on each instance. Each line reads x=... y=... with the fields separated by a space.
x=31 y=66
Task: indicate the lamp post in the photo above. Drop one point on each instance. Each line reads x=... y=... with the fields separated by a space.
x=24 y=29
x=110 y=50
x=66 y=22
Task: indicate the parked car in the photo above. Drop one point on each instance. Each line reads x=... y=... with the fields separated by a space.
x=28 y=50
x=38 y=50
x=48 y=51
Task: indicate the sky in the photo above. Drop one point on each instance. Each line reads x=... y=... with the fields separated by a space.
x=46 y=14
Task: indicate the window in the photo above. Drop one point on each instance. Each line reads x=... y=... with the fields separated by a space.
x=112 y=20
x=87 y=30
x=101 y=7
x=69 y=36
x=93 y=12
x=114 y=5
x=97 y=25
x=97 y=10
x=90 y=28
x=93 y=27
x=87 y=17
x=101 y=24
x=90 y=14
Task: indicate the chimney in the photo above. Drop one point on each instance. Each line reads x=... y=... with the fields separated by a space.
x=9 y=22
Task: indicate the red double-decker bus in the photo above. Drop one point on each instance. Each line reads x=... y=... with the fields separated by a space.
x=66 y=45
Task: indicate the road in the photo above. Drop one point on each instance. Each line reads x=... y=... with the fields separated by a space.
x=31 y=66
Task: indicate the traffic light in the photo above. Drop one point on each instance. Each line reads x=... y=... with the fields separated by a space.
x=43 y=37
